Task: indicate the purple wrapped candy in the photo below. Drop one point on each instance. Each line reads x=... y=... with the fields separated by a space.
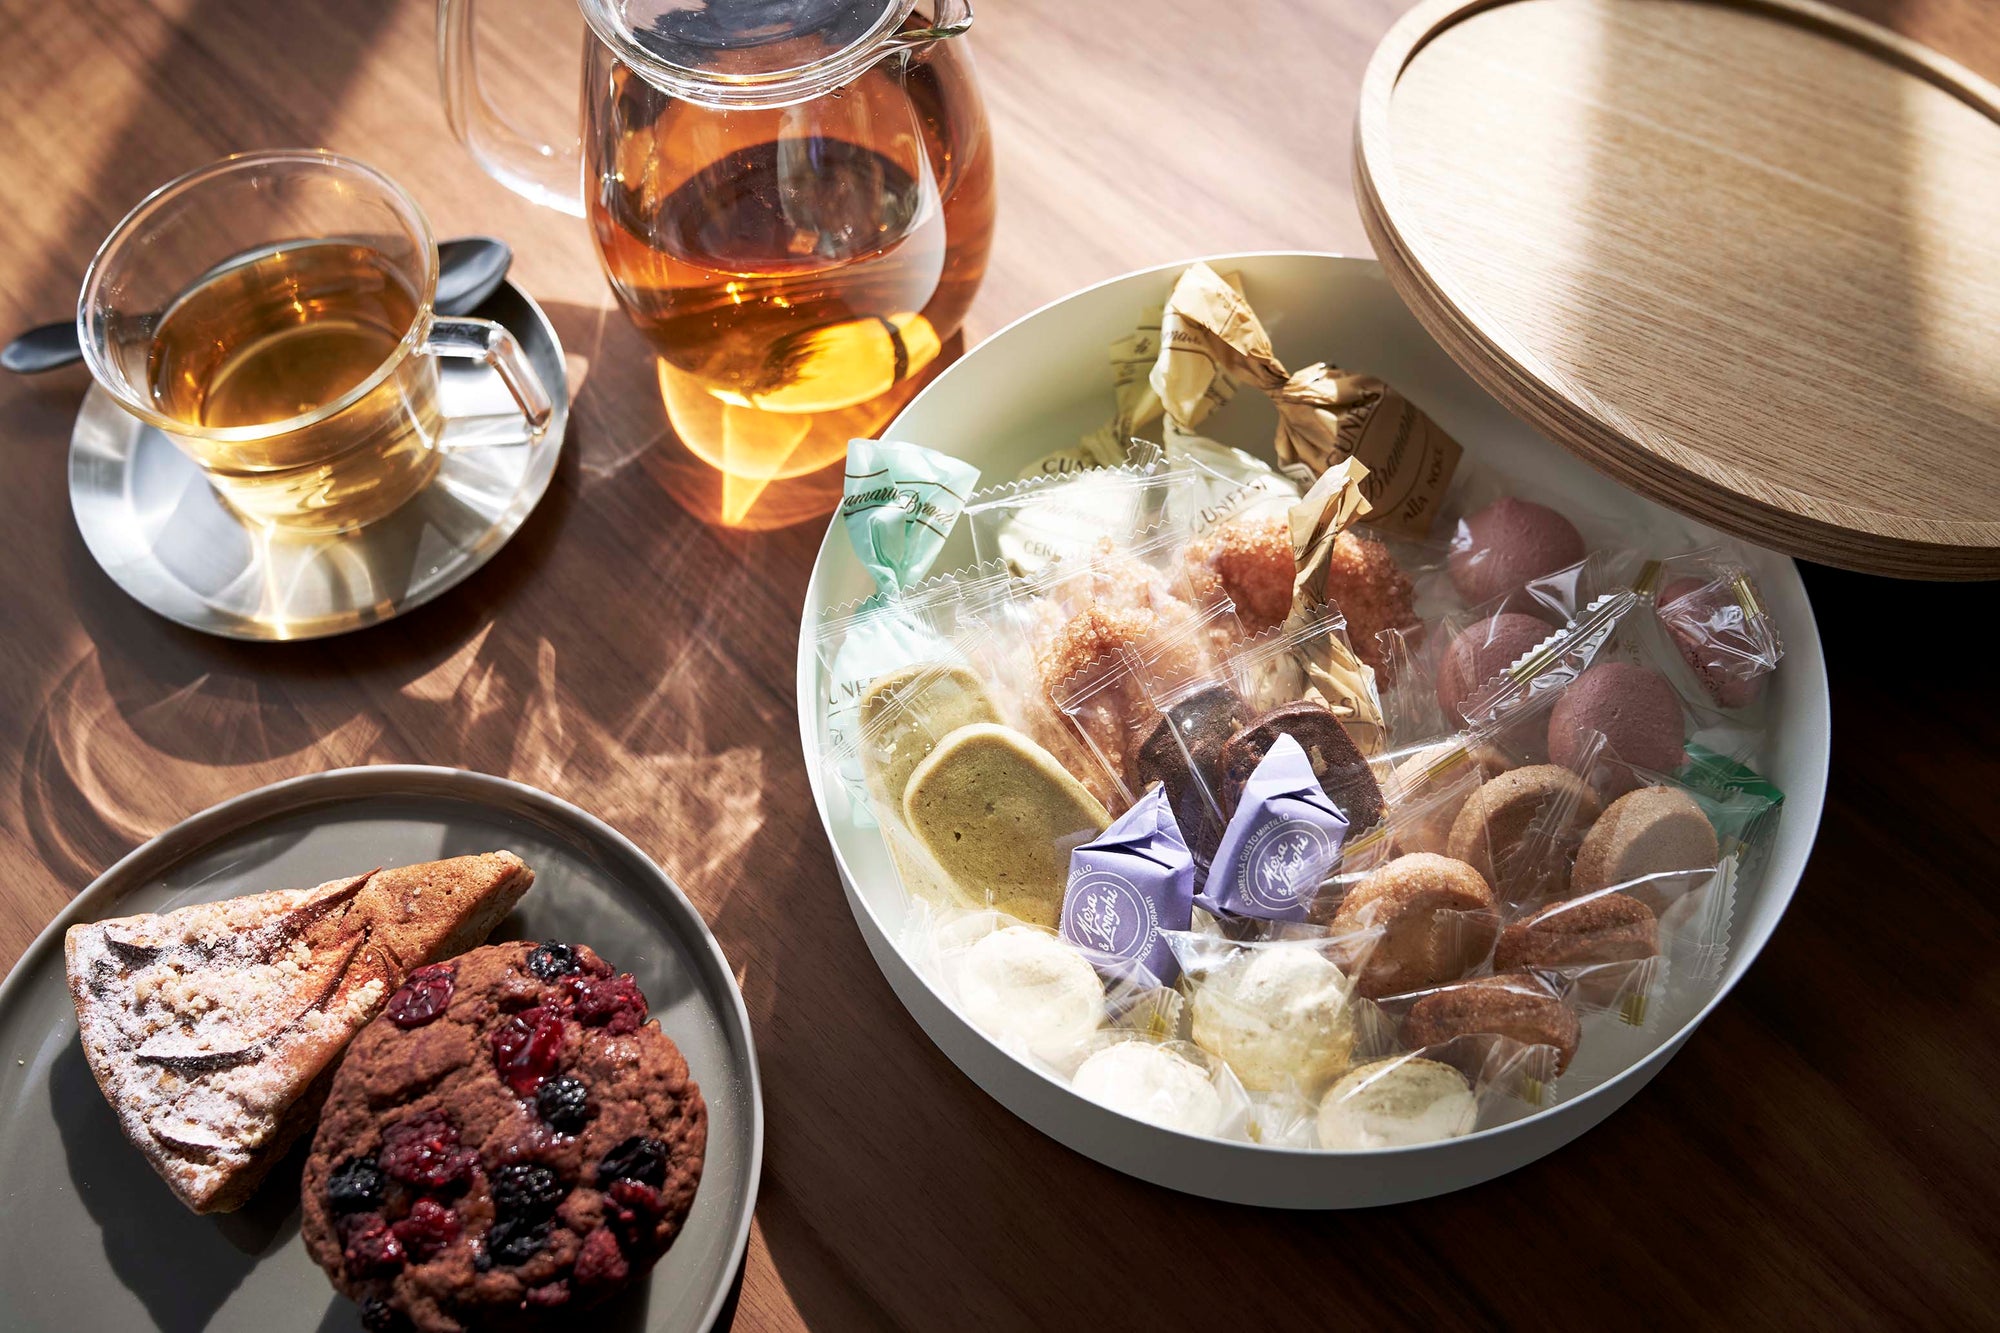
x=1281 y=844
x=1134 y=881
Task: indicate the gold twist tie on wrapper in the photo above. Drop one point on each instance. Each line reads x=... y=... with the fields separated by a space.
x=1325 y=415
x=1334 y=675
x=1334 y=503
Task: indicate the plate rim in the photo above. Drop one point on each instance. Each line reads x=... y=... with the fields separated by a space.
x=181 y=839
x=1613 y=1092
x=554 y=436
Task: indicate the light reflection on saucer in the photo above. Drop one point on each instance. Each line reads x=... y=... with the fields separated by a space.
x=153 y=523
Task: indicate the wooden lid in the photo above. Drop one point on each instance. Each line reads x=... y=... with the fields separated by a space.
x=1741 y=255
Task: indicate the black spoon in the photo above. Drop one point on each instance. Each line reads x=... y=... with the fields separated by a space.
x=470 y=269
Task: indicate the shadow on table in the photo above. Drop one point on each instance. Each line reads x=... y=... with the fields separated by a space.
x=181 y=1266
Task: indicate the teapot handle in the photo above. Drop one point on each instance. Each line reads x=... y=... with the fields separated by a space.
x=550 y=174
x=949 y=18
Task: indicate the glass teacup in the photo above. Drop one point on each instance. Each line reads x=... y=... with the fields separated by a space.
x=272 y=314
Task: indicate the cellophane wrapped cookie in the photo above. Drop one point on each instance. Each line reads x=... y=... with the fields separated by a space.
x=1510 y=1035
x=1041 y=521
x=1210 y=724
x=1637 y=711
x=1033 y=992
x=1080 y=632
x=1708 y=604
x=1280 y=1013
x=976 y=812
x=1020 y=984
x=1165 y=1081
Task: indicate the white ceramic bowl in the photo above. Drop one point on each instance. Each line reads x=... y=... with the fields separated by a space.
x=1044 y=381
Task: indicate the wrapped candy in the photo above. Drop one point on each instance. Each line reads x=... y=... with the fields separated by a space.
x=899 y=503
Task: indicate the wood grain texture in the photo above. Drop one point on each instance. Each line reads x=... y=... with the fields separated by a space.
x=1820 y=1155
x=1740 y=254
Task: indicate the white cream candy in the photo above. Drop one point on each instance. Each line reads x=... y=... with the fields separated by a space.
x=1278 y=1014
x=1022 y=986
x=1151 y=1083
x=1395 y=1103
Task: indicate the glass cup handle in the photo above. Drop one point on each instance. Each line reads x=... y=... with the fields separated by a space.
x=550 y=174
x=491 y=344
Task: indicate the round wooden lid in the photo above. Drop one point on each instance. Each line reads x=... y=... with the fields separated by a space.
x=1741 y=255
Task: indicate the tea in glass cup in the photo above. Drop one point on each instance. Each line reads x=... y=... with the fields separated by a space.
x=271 y=314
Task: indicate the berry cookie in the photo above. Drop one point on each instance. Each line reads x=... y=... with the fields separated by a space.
x=510 y=1139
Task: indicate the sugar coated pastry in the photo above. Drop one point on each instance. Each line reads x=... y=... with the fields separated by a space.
x=1375 y=595
x=1639 y=715
x=1087 y=645
x=1520 y=829
x=1396 y=1103
x=1646 y=832
x=1249 y=561
x=1481 y=651
x=1510 y=1005
x=1337 y=762
x=1000 y=816
x=920 y=704
x=1603 y=928
x=1252 y=562
x=1437 y=918
x=1151 y=1083
x=1278 y=1014
x=1507 y=545
x=1023 y=986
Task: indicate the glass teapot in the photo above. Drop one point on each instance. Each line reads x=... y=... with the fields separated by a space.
x=792 y=199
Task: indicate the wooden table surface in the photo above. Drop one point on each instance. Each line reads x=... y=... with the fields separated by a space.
x=1822 y=1153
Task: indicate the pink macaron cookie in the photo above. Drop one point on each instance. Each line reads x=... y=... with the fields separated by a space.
x=1707 y=625
x=1480 y=652
x=1500 y=549
x=1639 y=715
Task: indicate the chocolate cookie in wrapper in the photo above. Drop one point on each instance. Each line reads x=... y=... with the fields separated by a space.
x=1183 y=754
x=1134 y=881
x=1280 y=845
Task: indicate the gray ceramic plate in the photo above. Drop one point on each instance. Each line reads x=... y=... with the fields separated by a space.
x=155 y=525
x=89 y=1236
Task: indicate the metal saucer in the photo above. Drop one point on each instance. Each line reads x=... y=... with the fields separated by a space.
x=158 y=530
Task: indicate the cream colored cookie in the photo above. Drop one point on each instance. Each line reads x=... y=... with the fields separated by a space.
x=1000 y=816
x=1396 y=1103
x=1279 y=1015
x=903 y=715
x=1644 y=832
x=1520 y=830
x=1437 y=918
x=1025 y=988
